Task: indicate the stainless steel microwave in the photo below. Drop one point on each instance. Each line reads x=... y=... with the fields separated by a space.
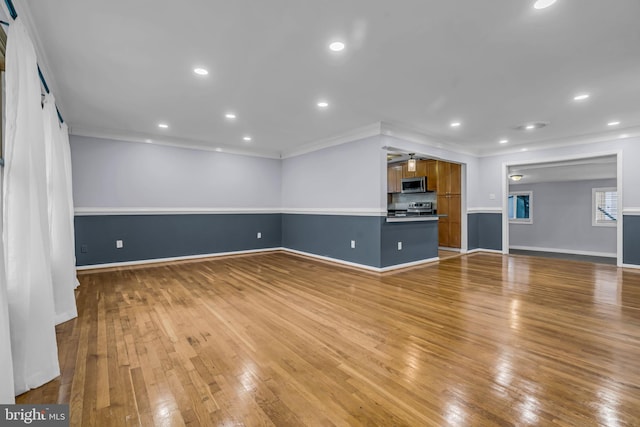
x=414 y=185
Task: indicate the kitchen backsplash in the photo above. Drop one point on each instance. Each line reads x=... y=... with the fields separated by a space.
x=401 y=201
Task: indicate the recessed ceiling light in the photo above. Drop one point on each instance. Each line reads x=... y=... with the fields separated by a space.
x=543 y=4
x=613 y=123
x=200 y=71
x=525 y=149
x=230 y=116
x=148 y=141
x=336 y=46
x=455 y=124
x=624 y=135
x=504 y=141
x=581 y=97
x=218 y=149
x=246 y=138
x=531 y=126
x=323 y=104
x=163 y=125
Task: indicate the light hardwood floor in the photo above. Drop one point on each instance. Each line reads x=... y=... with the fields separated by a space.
x=276 y=339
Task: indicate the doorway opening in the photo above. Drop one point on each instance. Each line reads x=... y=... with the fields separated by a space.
x=564 y=208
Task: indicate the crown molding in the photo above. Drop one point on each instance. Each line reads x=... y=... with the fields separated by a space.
x=594 y=138
x=170 y=142
x=419 y=136
x=368 y=131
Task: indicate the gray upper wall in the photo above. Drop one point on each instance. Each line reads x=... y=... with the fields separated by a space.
x=346 y=176
x=562 y=218
x=117 y=174
x=111 y=173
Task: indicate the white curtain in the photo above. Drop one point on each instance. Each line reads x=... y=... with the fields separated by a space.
x=63 y=260
x=6 y=361
x=25 y=216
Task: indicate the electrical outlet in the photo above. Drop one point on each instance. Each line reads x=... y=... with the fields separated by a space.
x=399 y=246
x=259 y=235
x=119 y=244
x=492 y=196
x=353 y=244
x=84 y=249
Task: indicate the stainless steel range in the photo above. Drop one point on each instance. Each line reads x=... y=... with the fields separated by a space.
x=420 y=208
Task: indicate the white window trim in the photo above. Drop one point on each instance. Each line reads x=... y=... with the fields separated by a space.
x=522 y=220
x=594 y=223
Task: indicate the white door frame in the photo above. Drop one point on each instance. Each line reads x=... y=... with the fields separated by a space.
x=619 y=183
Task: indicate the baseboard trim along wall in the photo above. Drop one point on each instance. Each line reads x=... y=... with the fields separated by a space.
x=361 y=266
x=255 y=251
x=491 y=251
x=634 y=266
x=565 y=251
x=171 y=259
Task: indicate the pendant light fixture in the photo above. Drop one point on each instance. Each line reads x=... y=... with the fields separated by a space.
x=411 y=164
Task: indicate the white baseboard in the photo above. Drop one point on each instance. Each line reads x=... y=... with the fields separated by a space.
x=491 y=251
x=565 y=251
x=634 y=266
x=362 y=266
x=177 y=258
x=253 y=251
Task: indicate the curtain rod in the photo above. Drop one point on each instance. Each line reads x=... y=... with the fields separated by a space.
x=14 y=15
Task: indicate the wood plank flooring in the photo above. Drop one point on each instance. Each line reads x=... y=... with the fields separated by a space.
x=276 y=339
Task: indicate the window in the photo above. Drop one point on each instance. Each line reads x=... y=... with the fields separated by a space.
x=520 y=207
x=604 y=207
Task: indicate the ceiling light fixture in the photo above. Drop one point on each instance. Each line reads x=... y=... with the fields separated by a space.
x=455 y=124
x=246 y=138
x=163 y=125
x=148 y=141
x=530 y=127
x=504 y=141
x=411 y=163
x=336 y=46
x=614 y=123
x=230 y=116
x=543 y=4
x=624 y=135
x=581 y=97
x=200 y=71
x=515 y=177
x=323 y=104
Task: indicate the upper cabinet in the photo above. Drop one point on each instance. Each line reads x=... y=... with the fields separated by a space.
x=394 y=178
x=397 y=171
x=432 y=175
x=449 y=178
x=421 y=169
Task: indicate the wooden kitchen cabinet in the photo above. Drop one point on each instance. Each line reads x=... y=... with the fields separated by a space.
x=449 y=188
x=394 y=178
x=432 y=175
x=449 y=178
x=421 y=169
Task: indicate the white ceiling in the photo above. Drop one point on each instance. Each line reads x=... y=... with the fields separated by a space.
x=118 y=68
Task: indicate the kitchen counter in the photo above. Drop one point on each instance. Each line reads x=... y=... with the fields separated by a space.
x=413 y=218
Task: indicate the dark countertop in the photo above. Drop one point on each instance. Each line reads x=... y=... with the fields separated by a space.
x=413 y=217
